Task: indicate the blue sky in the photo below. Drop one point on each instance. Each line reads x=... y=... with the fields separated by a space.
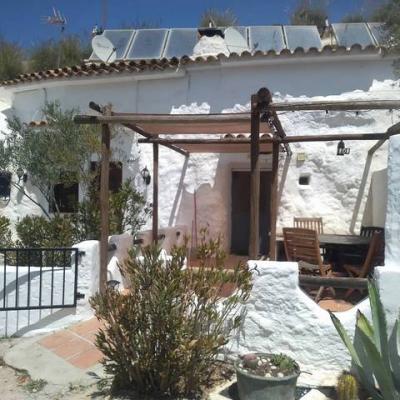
x=21 y=20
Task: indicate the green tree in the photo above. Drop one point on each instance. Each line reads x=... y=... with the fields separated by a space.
x=57 y=153
x=310 y=12
x=218 y=18
x=11 y=60
x=349 y=18
x=49 y=55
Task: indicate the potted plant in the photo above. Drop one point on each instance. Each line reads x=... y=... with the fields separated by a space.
x=266 y=376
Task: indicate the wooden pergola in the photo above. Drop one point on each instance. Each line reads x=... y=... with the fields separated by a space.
x=222 y=133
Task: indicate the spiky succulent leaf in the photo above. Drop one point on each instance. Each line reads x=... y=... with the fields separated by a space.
x=379 y=322
x=345 y=338
x=381 y=370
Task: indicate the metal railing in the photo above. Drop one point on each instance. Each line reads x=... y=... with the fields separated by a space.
x=38 y=278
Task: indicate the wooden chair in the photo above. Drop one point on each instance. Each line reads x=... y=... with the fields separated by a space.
x=302 y=245
x=315 y=224
x=373 y=258
x=368 y=231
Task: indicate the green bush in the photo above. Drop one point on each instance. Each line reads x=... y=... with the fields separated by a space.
x=127 y=213
x=5 y=232
x=163 y=337
x=37 y=231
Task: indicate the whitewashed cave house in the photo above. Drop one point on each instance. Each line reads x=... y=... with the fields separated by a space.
x=177 y=71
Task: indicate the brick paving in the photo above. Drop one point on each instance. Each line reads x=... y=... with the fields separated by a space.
x=75 y=345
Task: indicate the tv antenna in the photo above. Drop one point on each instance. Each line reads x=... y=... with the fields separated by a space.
x=57 y=19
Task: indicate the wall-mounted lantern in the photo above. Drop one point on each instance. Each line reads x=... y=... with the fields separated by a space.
x=22 y=175
x=5 y=185
x=342 y=149
x=146 y=175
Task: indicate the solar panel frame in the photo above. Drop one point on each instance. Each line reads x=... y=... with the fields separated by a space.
x=187 y=49
x=349 y=34
x=122 y=49
x=297 y=36
x=140 y=46
x=377 y=29
x=272 y=34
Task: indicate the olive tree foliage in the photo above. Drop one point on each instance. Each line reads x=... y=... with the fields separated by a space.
x=218 y=18
x=51 y=54
x=56 y=153
x=11 y=60
x=310 y=12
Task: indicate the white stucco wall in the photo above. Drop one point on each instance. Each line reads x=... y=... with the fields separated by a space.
x=392 y=232
x=227 y=87
x=281 y=318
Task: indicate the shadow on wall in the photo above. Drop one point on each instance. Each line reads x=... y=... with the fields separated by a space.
x=206 y=205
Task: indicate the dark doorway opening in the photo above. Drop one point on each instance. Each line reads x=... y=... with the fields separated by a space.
x=240 y=215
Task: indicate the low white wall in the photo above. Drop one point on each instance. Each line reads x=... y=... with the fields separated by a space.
x=392 y=225
x=280 y=317
x=28 y=322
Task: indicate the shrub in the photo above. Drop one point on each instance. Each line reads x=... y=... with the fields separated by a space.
x=128 y=213
x=163 y=337
x=5 y=232
x=37 y=231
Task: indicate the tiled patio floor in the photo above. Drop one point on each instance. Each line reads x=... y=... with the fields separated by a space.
x=75 y=344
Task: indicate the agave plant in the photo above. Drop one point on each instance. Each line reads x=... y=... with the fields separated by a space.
x=375 y=355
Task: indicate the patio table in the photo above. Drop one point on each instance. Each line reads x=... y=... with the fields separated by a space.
x=343 y=240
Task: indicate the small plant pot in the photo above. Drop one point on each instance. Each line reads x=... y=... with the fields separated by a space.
x=255 y=387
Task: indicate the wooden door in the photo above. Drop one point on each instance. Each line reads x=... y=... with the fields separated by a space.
x=240 y=215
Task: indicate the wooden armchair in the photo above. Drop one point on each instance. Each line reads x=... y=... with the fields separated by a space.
x=315 y=224
x=302 y=245
x=373 y=257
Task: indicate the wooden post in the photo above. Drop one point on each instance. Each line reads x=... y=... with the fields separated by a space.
x=274 y=201
x=254 y=179
x=155 y=192
x=104 y=203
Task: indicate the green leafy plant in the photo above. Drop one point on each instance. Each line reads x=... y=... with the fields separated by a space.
x=128 y=212
x=5 y=232
x=57 y=153
x=375 y=357
x=347 y=387
x=11 y=60
x=163 y=336
x=284 y=362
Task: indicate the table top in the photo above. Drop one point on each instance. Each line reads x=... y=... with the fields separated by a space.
x=344 y=240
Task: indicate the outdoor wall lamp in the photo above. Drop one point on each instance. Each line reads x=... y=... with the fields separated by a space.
x=146 y=175
x=22 y=175
x=342 y=149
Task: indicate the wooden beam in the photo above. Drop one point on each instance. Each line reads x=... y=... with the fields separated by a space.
x=155 y=192
x=336 y=105
x=267 y=139
x=104 y=202
x=147 y=135
x=254 y=240
x=336 y=282
x=274 y=201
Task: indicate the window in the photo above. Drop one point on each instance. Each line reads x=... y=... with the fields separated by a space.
x=5 y=185
x=304 y=180
x=115 y=176
x=66 y=197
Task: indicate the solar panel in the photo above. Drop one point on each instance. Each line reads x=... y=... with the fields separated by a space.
x=147 y=43
x=120 y=39
x=352 y=33
x=180 y=43
x=379 y=32
x=266 y=38
x=302 y=36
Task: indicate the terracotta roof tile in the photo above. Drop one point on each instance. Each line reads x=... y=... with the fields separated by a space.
x=137 y=66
